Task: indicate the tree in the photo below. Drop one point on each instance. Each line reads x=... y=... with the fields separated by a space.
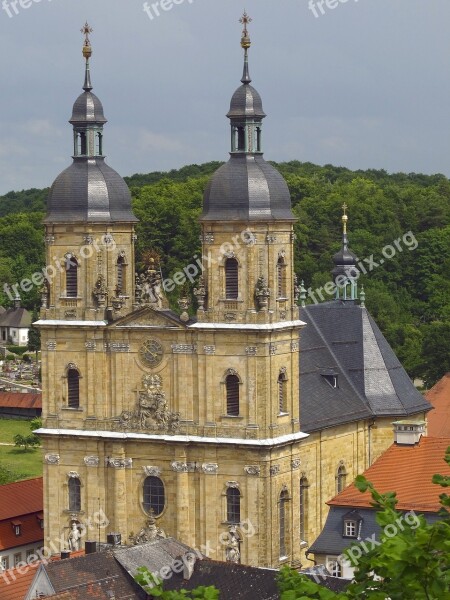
x=34 y=337
x=413 y=564
x=26 y=441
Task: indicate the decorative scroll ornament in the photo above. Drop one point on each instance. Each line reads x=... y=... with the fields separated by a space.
x=91 y=461
x=152 y=471
x=45 y=292
x=52 y=459
x=88 y=239
x=51 y=345
x=119 y=463
x=251 y=350
x=151 y=413
x=232 y=484
x=184 y=303
x=210 y=350
x=49 y=239
x=210 y=468
x=253 y=470
x=274 y=470
x=295 y=464
x=229 y=317
x=90 y=345
x=179 y=467
x=100 y=291
x=233 y=553
x=200 y=293
x=149 y=533
x=73 y=475
x=262 y=293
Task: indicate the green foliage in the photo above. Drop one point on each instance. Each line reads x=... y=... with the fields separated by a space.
x=26 y=441
x=154 y=587
x=413 y=564
x=7 y=475
x=18 y=350
x=34 y=336
x=35 y=423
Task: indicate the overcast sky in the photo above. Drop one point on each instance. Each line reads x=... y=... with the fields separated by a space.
x=364 y=85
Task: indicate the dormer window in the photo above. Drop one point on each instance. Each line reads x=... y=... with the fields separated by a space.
x=17 y=527
x=350 y=529
x=331 y=377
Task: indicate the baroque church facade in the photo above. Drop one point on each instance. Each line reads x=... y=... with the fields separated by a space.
x=194 y=427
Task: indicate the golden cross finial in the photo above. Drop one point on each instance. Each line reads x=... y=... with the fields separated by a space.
x=344 y=216
x=86 y=30
x=245 y=20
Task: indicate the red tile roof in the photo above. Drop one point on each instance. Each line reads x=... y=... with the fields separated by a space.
x=21 y=498
x=30 y=532
x=407 y=470
x=18 y=400
x=439 y=417
x=15 y=583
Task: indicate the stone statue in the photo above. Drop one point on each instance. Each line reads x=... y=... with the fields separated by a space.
x=262 y=293
x=74 y=538
x=149 y=533
x=233 y=553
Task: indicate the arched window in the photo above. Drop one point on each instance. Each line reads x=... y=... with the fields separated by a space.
x=282 y=391
x=74 y=494
x=121 y=275
x=73 y=388
x=71 y=277
x=232 y=388
x=303 y=508
x=281 y=277
x=284 y=498
x=341 y=477
x=233 y=505
x=231 y=279
x=154 y=495
x=241 y=139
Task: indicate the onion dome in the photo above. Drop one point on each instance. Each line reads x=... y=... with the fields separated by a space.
x=246 y=188
x=89 y=190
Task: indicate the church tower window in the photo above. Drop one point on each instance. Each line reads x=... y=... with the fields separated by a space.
x=281 y=277
x=121 y=278
x=231 y=279
x=154 y=495
x=232 y=388
x=341 y=477
x=74 y=494
x=71 y=277
x=73 y=388
x=233 y=505
x=303 y=508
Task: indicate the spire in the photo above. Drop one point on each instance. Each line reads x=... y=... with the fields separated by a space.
x=345 y=272
x=87 y=53
x=245 y=43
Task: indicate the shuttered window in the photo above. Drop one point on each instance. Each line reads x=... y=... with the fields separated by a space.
x=154 y=495
x=281 y=278
x=72 y=277
x=231 y=279
x=233 y=505
x=120 y=275
x=74 y=494
x=73 y=388
x=232 y=385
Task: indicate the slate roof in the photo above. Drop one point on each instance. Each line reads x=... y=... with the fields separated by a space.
x=15 y=317
x=439 y=418
x=331 y=540
x=342 y=338
x=407 y=470
x=97 y=573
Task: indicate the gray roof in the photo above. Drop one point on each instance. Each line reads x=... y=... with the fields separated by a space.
x=247 y=188
x=246 y=102
x=342 y=338
x=87 y=109
x=89 y=191
x=331 y=539
x=15 y=317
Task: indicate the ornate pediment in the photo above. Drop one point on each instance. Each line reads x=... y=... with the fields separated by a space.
x=150 y=317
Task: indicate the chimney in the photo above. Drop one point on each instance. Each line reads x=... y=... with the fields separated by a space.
x=408 y=433
x=65 y=554
x=114 y=539
x=90 y=547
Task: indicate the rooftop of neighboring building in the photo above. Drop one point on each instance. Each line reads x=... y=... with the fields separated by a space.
x=19 y=400
x=21 y=498
x=15 y=317
x=439 y=416
x=407 y=470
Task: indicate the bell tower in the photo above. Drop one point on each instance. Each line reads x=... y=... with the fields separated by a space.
x=247 y=222
x=89 y=226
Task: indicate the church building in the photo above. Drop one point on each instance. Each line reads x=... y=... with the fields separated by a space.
x=227 y=431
